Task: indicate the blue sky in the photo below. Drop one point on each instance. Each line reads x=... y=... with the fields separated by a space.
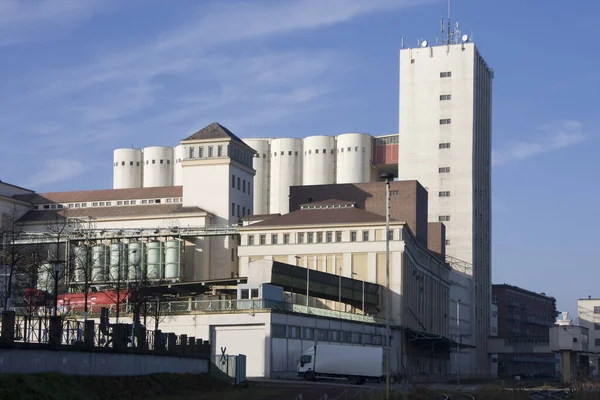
x=80 y=78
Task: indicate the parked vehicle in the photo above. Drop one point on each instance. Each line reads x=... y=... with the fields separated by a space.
x=356 y=363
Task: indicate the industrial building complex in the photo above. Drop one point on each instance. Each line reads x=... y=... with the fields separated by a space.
x=267 y=246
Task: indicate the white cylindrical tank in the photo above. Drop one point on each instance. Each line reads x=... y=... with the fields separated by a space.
x=158 y=166
x=260 y=163
x=99 y=263
x=177 y=169
x=319 y=160
x=286 y=171
x=118 y=262
x=127 y=168
x=173 y=259
x=137 y=257
x=154 y=260
x=81 y=266
x=353 y=158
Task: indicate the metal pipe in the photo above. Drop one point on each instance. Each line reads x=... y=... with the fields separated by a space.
x=363 y=297
x=387 y=177
x=307 y=281
x=457 y=339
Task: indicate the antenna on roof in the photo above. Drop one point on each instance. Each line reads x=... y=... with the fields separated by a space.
x=449 y=26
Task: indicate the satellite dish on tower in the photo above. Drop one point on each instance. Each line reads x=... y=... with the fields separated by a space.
x=465 y=38
x=424 y=44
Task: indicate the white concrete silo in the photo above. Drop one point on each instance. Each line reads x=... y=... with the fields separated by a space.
x=158 y=166
x=319 y=160
x=178 y=152
x=353 y=158
x=127 y=168
x=286 y=171
x=260 y=163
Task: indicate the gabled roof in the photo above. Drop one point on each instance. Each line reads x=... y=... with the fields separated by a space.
x=101 y=195
x=321 y=216
x=216 y=131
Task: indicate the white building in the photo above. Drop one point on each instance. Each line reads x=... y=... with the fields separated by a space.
x=445 y=143
x=279 y=164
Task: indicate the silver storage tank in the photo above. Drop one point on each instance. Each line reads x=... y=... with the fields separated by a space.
x=82 y=263
x=136 y=261
x=154 y=260
x=99 y=263
x=118 y=262
x=173 y=259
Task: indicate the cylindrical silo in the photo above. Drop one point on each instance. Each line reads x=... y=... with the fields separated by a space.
x=353 y=158
x=319 y=160
x=177 y=168
x=158 y=166
x=260 y=163
x=118 y=262
x=154 y=260
x=173 y=259
x=286 y=171
x=99 y=263
x=127 y=168
x=81 y=266
x=137 y=257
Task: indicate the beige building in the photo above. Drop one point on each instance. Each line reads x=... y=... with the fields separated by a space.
x=337 y=237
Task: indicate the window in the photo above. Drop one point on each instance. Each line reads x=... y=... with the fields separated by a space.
x=263 y=239
x=323 y=335
x=239 y=214
x=233 y=181
x=144 y=201
x=254 y=293
x=365 y=236
x=161 y=161
x=94 y=204
x=249 y=188
x=153 y=161
x=445 y=97
x=353 y=236
x=308 y=333
x=444 y=145
x=233 y=209
x=278 y=330
x=131 y=163
x=447 y=74
x=319 y=237
x=244 y=186
x=126 y=202
x=201 y=152
x=101 y=204
x=334 y=336
x=447 y=242
x=286 y=238
x=444 y=170
x=338 y=236
x=243 y=211
x=329 y=237
x=122 y=163
x=596 y=309
x=391 y=234
x=250 y=240
x=119 y=203
x=293 y=332
x=394 y=193
x=444 y=194
x=444 y=218
x=317 y=151
x=300 y=238
x=597 y=342
x=445 y=121
x=310 y=237
x=274 y=238
x=232 y=254
x=219 y=151
x=210 y=151
x=367 y=338
x=168 y=161
x=412 y=60
x=239 y=183
x=108 y=203
x=137 y=163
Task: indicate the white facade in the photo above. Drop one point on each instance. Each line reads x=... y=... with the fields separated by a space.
x=353 y=158
x=178 y=155
x=158 y=166
x=261 y=164
x=445 y=143
x=128 y=168
x=286 y=171
x=588 y=313
x=319 y=160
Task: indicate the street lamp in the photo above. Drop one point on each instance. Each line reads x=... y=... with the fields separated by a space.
x=387 y=177
x=119 y=268
x=56 y=270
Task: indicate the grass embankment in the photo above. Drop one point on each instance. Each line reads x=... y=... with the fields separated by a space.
x=51 y=386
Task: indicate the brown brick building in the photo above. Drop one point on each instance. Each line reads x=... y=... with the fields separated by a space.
x=523 y=314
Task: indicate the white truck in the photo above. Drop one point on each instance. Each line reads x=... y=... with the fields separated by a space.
x=356 y=363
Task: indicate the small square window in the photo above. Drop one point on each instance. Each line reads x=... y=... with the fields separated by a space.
x=445 y=121
x=144 y=201
x=444 y=170
x=412 y=60
x=365 y=236
x=444 y=145
x=300 y=238
x=338 y=236
x=263 y=239
x=131 y=163
x=153 y=161
x=596 y=309
x=353 y=236
x=286 y=238
x=274 y=238
x=161 y=161
x=310 y=237
x=250 y=240
x=444 y=97
x=444 y=218
x=319 y=237
x=447 y=242
x=122 y=163
x=329 y=237
x=445 y=193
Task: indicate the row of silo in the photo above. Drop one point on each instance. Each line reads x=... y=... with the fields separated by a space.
x=314 y=160
x=133 y=261
x=149 y=167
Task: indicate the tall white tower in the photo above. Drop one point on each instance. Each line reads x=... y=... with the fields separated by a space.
x=445 y=143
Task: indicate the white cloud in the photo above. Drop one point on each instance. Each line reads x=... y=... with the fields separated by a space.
x=556 y=136
x=56 y=170
x=22 y=21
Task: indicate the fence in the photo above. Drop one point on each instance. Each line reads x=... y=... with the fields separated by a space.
x=56 y=332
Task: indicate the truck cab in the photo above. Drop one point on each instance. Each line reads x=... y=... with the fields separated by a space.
x=306 y=364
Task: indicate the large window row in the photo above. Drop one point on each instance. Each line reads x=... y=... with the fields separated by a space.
x=239 y=211
x=242 y=184
x=318 y=237
x=325 y=335
x=137 y=163
x=86 y=204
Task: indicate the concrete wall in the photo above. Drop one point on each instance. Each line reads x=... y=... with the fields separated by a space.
x=90 y=363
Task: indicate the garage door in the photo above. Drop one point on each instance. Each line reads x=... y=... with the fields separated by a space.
x=242 y=339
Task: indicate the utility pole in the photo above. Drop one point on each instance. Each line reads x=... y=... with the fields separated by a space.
x=457 y=339
x=387 y=177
